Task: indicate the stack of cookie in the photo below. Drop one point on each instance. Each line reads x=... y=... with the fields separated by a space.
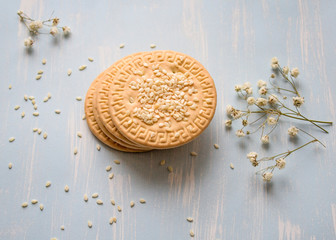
x=151 y=100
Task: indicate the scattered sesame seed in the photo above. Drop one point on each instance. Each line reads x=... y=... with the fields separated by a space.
x=49 y=95
x=108 y=168
x=82 y=67
x=35 y=106
x=53 y=238
x=79 y=98
x=33 y=101
x=31 y=98
x=34 y=201
x=24 y=205
x=114 y=219
x=153 y=45
x=41 y=207
x=10 y=86
x=45 y=135
x=111 y=175
x=86 y=197
x=34 y=129
x=112 y=202
x=66 y=188
x=95 y=195
x=23 y=114
x=189 y=219
x=192 y=234
x=12 y=139
x=38 y=77
x=99 y=202
x=119 y=209
x=79 y=134
x=117 y=162
x=122 y=45
x=25 y=97
x=193 y=153
x=48 y=183
x=36 y=114
x=111 y=220
x=90 y=59
x=45 y=99
x=132 y=203
x=84 y=117
x=75 y=151
x=40 y=72
x=10 y=165
x=69 y=72
x=57 y=111
x=39 y=131
x=62 y=228
x=216 y=146
x=170 y=169
x=16 y=107
x=89 y=224
x=98 y=147
x=44 y=61
x=142 y=200
x=162 y=162
x=231 y=166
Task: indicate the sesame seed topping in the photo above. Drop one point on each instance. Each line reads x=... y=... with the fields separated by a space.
x=69 y=72
x=119 y=209
x=33 y=101
x=48 y=184
x=34 y=129
x=99 y=202
x=12 y=139
x=162 y=162
x=86 y=198
x=89 y=224
x=132 y=203
x=57 y=111
x=152 y=45
x=193 y=153
x=84 y=117
x=45 y=135
x=116 y=162
x=24 y=205
x=16 y=107
x=45 y=99
x=216 y=146
x=10 y=86
x=31 y=98
x=231 y=166
x=192 y=234
x=122 y=45
x=39 y=131
x=25 y=97
x=49 y=95
x=114 y=219
x=36 y=114
x=75 y=151
x=40 y=72
x=34 y=201
x=66 y=188
x=35 y=106
x=112 y=202
x=142 y=200
x=111 y=175
x=62 y=227
x=108 y=168
x=44 y=61
x=82 y=67
x=98 y=147
x=41 y=207
x=23 y=114
x=94 y=195
x=111 y=220
x=189 y=219
x=79 y=98
x=38 y=77
x=170 y=169
x=79 y=134
x=90 y=59
x=10 y=165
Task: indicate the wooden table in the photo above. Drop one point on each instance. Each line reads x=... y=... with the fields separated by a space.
x=235 y=41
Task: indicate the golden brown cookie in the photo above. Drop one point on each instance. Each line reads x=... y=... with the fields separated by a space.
x=162 y=99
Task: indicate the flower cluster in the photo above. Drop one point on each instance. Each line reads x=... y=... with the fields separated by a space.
x=35 y=27
x=269 y=106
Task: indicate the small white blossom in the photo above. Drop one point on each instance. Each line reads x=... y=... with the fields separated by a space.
x=295 y=72
x=285 y=70
x=250 y=100
x=272 y=99
x=274 y=60
x=265 y=139
x=261 y=83
x=298 y=101
x=261 y=102
x=54 y=31
x=248 y=90
x=281 y=163
x=19 y=12
x=66 y=30
x=28 y=42
x=240 y=133
x=229 y=109
x=263 y=91
x=246 y=85
x=55 y=21
x=35 y=26
x=228 y=123
x=271 y=121
x=236 y=114
x=293 y=131
x=267 y=176
x=238 y=88
x=252 y=155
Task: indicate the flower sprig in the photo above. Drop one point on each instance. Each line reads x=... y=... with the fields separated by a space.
x=35 y=26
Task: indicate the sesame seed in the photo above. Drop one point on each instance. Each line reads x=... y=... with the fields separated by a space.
x=79 y=134
x=34 y=129
x=25 y=97
x=90 y=59
x=45 y=99
x=89 y=224
x=23 y=114
x=12 y=139
x=57 y=111
x=44 y=61
x=10 y=86
x=40 y=72
x=111 y=175
x=132 y=203
x=170 y=169
x=231 y=166
x=62 y=227
x=39 y=131
x=152 y=45
x=38 y=77
x=162 y=162
x=33 y=101
x=31 y=98
x=193 y=153
x=122 y=45
x=24 y=205
x=95 y=195
x=35 y=106
x=84 y=117
x=111 y=220
x=189 y=219
x=36 y=114
x=82 y=67
x=75 y=151
x=16 y=107
x=114 y=219
x=34 y=201
x=45 y=135
x=112 y=202
x=142 y=200
x=99 y=202
x=86 y=198
x=48 y=183
x=192 y=234
x=216 y=146
x=49 y=95
x=108 y=168
x=10 y=165
x=98 y=147
x=66 y=188
x=119 y=209
x=79 y=98
x=41 y=207
x=117 y=162
x=69 y=72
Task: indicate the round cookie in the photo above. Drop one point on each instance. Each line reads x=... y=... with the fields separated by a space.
x=101 y=109
x=162 y=99
x=92 y=123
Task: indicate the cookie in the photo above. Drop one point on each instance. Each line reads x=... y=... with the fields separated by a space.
x=162 y=99
x=93 y=125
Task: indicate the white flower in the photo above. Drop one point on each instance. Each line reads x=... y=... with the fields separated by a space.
x=293 y=131
x=261 y=83
x=240 y=133
x=295 y=72
x=229 y=109
x=271 y=121
x=246 y=85
x=250 y=100
x=66 y=30
x=274 y=60
x=28 y=42
x=265 y=139
x=228 y=123
x=267 y=176
x=274 y=66
x=285 y=70
x=298 y=101
x=238 y=88
x=55 y=21
x=35 y=25
x=252 y=155
x=19 y=12
x=281 y=163
x=249 y=90
x=236 y=114
x=272 y=99
x=54 y=31
x=263 y=91
x=261 y=102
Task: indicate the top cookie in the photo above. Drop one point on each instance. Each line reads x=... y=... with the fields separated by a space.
x=162 y=99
